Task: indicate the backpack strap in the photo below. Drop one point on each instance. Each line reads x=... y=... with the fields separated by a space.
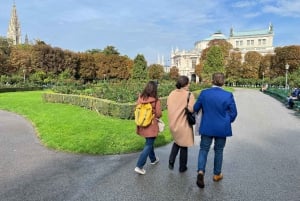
x=154 y=108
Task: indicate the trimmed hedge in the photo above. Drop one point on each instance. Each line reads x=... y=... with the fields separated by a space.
x=102 y=106
x=15 y=89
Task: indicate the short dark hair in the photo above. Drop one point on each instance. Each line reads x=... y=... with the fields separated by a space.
x=182 y=81
x=218 y=79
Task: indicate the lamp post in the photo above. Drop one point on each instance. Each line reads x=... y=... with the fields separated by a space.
x=263 y=74
x=286 y=74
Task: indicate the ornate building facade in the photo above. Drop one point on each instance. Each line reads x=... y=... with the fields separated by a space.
x=14 y=28
x=259 y=40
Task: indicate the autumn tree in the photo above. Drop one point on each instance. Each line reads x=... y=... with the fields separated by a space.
x=155 y=71
x=265 y=66
x=113 y=66
x=87 y=64
x=286 y=55
x=20 y=60
x=174 y=73
x=250 y=67
x=71 y=63
x=234 y=63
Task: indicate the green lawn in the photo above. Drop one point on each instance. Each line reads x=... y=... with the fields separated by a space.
x=74 y=129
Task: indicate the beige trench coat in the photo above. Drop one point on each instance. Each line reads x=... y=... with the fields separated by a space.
x=179 y=127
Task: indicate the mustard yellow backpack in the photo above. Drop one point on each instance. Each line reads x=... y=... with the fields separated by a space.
x=143 y=114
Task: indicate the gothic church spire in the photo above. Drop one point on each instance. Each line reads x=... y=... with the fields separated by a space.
x=14 y=29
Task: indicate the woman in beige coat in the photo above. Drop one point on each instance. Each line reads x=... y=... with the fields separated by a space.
x=181 y=131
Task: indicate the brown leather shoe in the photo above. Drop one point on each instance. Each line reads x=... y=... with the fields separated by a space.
x=200 y=180
x=218 y=177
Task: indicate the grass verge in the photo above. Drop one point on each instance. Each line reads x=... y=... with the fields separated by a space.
x=73 y=129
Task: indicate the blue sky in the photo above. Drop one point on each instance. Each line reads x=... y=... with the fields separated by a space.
x=148 y=27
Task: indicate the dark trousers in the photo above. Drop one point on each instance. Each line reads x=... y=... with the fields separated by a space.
x=182 y=157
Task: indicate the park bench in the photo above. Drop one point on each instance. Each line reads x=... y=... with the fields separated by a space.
x=282 y=95
x=297 y=104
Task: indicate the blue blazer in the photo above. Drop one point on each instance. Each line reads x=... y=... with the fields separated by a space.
x=218 y=112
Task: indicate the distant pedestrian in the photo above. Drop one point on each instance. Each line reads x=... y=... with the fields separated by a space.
x=295 y=95
x=149 y=95
x=180 y=129
x=218 y=112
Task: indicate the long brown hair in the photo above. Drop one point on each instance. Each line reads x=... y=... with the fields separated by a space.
x=150 y=90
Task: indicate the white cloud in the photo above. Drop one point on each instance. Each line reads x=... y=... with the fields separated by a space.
x=252 y=15
x=145 y=26
x=244 y=4
x=284 y=8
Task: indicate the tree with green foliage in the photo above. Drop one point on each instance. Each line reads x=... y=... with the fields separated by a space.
x=225 y=48
x=213 y=63
x=156 y=71
x=110 y=50
x=93 y=51
x=5 y=49
x=139 y=70
x=38 y=77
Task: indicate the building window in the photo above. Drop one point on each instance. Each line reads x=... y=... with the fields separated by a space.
x=248 y=42
x=241 y=43
x=236 y=43
x=259 y=41
x=252 y=42
x=264 y=41
x=194 y=63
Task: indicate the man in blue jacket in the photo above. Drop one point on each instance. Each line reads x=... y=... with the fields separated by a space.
x=218 y=112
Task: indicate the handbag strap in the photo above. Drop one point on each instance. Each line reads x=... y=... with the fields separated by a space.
x=188 y=99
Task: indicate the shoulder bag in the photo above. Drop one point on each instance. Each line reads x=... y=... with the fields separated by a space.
x=191 y=116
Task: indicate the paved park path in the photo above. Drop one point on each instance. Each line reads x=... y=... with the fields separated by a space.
x=261 y=163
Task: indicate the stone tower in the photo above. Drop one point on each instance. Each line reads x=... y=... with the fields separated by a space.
x=14 y=29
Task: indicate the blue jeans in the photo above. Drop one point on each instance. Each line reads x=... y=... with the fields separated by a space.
x=147 y=151
x=219 y=145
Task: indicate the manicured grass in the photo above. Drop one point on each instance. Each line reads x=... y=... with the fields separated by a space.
x=74 y=129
